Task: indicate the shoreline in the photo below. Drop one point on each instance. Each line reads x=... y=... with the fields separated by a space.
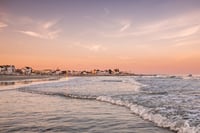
x=4 y=78
x=52 y=77
x=7 y=80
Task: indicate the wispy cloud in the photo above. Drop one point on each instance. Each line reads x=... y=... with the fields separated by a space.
x=26 y=25
x=169 y=28
x=95 y=47
x=3 y=25
x=31 y=33
x=181 y=26
x=44 y=30
x=48 y=35
x=188 y=31
x=125 y=25
x=49 y=24
x=91 y=47
x=53 y=34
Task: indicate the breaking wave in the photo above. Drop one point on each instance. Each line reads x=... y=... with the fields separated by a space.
x=146 y=113
x=167 y=102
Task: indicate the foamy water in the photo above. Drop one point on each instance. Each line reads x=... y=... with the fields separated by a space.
x=168 y=101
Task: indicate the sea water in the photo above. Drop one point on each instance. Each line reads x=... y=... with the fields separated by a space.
x=103 y=104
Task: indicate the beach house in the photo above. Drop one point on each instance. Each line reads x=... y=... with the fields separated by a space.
x=27 y=70
x=10 y=69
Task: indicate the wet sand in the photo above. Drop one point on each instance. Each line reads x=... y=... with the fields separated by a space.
x=13 y=80
x=26 y=77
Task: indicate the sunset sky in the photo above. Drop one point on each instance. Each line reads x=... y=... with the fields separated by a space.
x=142 y=36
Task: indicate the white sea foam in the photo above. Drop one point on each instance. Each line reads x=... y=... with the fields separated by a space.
x=145 y=113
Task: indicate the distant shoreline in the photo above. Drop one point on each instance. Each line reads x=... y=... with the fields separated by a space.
x=27 y=77
x=54 y=77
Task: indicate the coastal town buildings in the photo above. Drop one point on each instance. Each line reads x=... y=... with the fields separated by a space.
x=46 y=72
x=7 y=69
x=101 y=73
x=11 y=70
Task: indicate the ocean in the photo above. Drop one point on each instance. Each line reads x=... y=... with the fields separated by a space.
x=118 y=104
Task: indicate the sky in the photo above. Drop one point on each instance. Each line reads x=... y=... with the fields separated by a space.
x=140 y=36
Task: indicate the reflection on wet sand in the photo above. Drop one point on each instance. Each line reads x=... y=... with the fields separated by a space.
x=8 y=82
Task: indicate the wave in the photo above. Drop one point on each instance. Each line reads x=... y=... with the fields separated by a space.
x=24 y=89
x=145 y=113
x=181 y=126
x=185 y=77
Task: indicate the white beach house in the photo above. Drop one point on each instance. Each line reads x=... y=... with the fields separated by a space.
x=27 y=70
